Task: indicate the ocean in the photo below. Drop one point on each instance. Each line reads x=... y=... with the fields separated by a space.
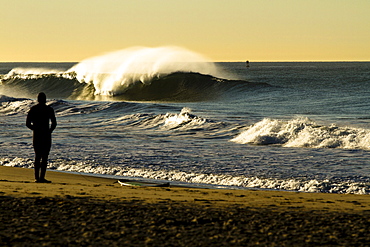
x=146 y=114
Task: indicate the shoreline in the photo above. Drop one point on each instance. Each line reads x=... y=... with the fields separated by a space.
x=19 y=182
x=87 y=210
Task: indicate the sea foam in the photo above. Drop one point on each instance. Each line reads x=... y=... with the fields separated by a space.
x=302 y=185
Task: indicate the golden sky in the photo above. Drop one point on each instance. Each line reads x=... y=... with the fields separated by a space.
x=222 y=30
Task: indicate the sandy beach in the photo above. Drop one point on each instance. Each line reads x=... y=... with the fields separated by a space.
x=77 y=210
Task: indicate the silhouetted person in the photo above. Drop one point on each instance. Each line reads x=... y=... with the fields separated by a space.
x=38 y=120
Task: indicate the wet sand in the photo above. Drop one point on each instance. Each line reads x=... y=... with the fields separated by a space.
x=78 y=210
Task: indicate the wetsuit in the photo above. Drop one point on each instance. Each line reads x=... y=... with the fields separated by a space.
x=38 y=120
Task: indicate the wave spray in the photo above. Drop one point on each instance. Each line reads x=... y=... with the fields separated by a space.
x=113 y=73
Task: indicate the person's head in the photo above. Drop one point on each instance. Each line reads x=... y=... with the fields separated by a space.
x=41 y=98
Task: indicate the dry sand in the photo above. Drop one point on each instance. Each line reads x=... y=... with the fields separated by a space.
x=78 y=210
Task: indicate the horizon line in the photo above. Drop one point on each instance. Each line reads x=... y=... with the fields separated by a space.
x=220 y=61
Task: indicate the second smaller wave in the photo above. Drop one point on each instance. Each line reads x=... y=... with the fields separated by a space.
x=302 y=132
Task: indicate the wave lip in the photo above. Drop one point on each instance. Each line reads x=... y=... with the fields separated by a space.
x=302 y=132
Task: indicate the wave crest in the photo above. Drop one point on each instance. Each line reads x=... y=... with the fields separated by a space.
x=114 y=73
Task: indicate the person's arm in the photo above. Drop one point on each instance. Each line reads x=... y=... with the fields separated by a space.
x=53 y=121
x=29 y=120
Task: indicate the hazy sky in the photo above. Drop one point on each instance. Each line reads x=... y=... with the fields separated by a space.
x=222 y=30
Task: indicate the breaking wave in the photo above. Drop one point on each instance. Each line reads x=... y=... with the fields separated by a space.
x=133 y=74
x=177 y=86
x=298 y=132
x=114 y=72
x=302 y=132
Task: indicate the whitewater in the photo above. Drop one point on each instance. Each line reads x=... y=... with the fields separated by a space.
x=168 y=113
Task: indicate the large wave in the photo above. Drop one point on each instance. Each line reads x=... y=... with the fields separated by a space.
x=177 y=86
x=134 y=74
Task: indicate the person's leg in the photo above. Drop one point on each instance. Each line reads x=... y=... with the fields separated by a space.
x=44 y=149
x=37 y=165
x=38 y=155
x=43 y=166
